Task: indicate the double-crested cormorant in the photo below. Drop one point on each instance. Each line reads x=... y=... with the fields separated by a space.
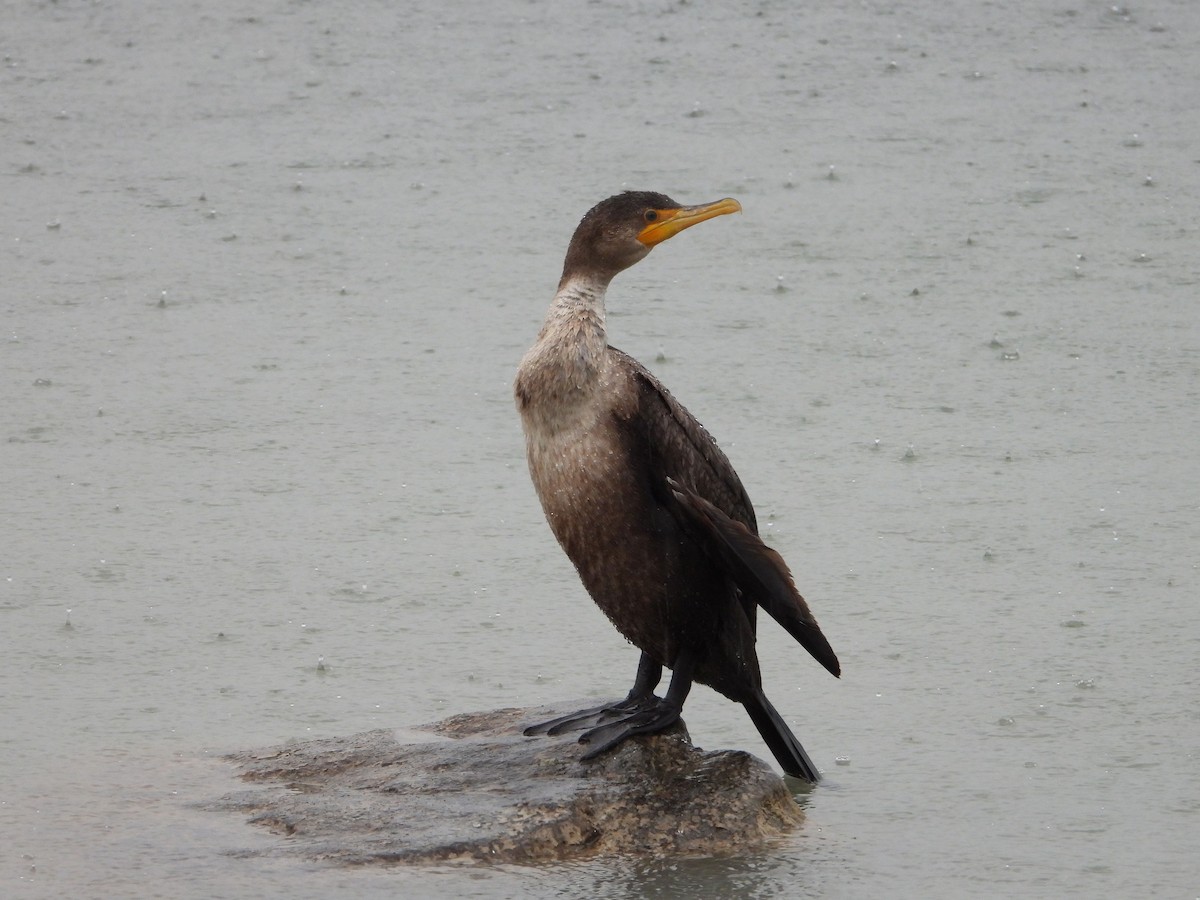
x=646 y=505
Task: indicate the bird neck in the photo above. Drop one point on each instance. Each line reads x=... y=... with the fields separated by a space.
x=561 y=370
x=574 y=327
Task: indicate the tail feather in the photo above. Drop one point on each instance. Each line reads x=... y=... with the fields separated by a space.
x=784 y=745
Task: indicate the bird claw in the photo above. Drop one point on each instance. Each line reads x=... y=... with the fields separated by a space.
x=647 y=716
x=582 y=718
x=607 y=726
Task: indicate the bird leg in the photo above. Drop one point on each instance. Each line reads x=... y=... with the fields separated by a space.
x=649 y=673
x=649 y=715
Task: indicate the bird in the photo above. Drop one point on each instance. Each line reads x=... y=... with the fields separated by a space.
x=645 y=504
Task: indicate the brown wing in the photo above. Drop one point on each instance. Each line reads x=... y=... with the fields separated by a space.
x=762 y=575
x=679 y=447
x=690 y=475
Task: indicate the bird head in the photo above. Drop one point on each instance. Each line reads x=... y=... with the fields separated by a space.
x=620 y=231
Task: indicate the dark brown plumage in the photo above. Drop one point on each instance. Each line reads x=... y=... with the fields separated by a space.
x=645 y=503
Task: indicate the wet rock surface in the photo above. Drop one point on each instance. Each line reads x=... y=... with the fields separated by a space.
x=474 y=788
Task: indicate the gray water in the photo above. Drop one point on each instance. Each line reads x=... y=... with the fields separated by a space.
x=267 y=272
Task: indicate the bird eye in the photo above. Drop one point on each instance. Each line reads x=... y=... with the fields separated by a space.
x=651 y=215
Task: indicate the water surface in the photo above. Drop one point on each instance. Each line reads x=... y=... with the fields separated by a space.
x=267 y=276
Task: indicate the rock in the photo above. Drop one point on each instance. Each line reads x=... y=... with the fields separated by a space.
x=473 y=787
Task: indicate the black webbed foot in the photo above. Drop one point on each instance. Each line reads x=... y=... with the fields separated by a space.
x=648 y=675
x=648 y=715
x=583 y=718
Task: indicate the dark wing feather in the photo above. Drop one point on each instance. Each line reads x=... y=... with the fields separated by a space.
x=689 y=473
x=680 y=447
x=762 y=573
